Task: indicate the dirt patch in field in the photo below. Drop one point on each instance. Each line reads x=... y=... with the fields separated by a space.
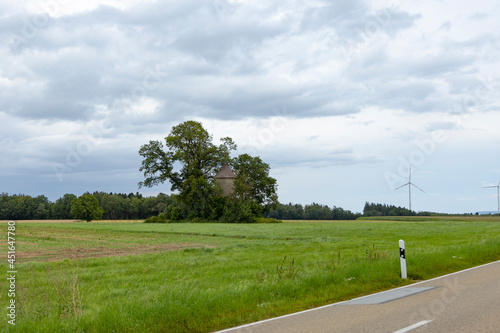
x=73 y=221
x=41 y=221
x=81 y=253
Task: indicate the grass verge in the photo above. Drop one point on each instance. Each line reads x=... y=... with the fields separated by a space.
x=225 y=274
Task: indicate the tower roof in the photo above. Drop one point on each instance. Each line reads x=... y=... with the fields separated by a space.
x=225 y=172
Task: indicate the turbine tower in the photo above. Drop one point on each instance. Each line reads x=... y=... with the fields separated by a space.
x=410 y=184
x=498 y=193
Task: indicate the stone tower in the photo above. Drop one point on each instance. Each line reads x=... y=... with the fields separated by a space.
x=225 y=179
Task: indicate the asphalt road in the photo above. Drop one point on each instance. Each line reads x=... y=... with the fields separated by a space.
x=466 y=301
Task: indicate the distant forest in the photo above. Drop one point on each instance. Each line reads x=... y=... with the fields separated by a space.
x=372 y=209
x=132 y=206
x=311 y=212
x=121 y=206
x=117 y=206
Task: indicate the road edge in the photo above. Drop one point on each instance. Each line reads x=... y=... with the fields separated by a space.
x=357 y=298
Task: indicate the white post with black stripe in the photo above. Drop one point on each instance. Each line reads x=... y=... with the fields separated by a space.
x=402 y=257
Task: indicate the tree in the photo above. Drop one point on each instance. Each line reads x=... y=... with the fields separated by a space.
x=5 y=206
x=253 y=182
x=135 y=208
x=86 y=207
x=189 y=146
x=317 y=212
x=198 y=198
x=62 y=207
x=112 y=205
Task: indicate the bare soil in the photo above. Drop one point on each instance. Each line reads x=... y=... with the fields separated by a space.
x=71 y=221
x=54 y=244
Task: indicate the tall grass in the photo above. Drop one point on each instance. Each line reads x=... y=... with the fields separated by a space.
x=251 y=272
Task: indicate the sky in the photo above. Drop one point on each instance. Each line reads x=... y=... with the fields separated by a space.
x=339 y=97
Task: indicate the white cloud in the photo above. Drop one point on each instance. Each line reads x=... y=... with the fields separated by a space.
x=335 y=89
x=58 y=8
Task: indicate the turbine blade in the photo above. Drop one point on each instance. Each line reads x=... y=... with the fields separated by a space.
x=490 y=186
x=418 y=187
x=397 y=188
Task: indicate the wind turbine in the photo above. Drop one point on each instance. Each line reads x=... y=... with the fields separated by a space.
x=498 y=193
x=410 y=184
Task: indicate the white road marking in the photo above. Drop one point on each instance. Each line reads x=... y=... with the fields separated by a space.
x=409 y=328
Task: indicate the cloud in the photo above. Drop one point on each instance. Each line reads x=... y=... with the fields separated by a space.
x=478 y=16
x=353 y=82
x=215 y=66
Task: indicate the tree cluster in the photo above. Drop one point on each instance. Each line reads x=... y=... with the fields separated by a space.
x=189 y=161
x=372 y=209
x=122 y=206
x=311 y=212
x=24 y=207
x=118 y=206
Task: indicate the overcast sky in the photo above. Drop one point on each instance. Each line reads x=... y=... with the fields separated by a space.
x=339 y=96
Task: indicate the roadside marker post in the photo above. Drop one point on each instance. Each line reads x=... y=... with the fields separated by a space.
x=402 y=257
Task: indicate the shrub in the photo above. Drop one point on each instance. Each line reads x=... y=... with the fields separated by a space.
x=173 y=213
x=267 y=220
x=156 y=219
x=237 y=211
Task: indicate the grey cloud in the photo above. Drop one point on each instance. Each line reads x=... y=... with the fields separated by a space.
x=333 y=13
x=479 y=16
x=314 y=156
x=214 y=65
x=439 y=126
x=159 y=13
x=215 y=45
x=412 y=97
x=388 y=20
x=261 y=96
x=400 y=20
x=70 y=84
x=464 y=85
x=438 y=65
x=354 y=23
x=485 y=42
x=221 y=60
x=444 y=27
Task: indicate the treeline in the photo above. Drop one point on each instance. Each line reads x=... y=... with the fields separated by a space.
x=311 y=212
x=119 y=206
x=131 y=206
x=372 y=209
x=122 y=206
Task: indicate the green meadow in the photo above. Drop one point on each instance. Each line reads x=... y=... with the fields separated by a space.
x=202 y=277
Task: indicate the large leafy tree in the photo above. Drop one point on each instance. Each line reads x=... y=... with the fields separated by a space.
x=188 y=144
x=253 y=182
x=86 y=207
x=189 y=161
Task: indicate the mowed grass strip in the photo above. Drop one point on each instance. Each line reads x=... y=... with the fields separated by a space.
x=239 y=273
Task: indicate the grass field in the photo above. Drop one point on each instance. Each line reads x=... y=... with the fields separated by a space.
x=137 y=277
